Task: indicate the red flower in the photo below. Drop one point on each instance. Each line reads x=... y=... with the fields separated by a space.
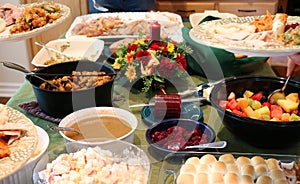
x=157 y=45
x=166 y=68
x=132 y=47
x=181 y=61
x=143 y=56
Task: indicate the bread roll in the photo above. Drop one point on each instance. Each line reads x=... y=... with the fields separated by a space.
x=277 y=174
x=185 y=178
x=208 y=159
x=264 y=180
x=257 y=160
x=188 y=168
x=219 y=167
x=227 y=158
x=216 y=178
x=272 y=164
x=280 y=181
x=232 y=168
x=241 y=161
x=260 y=170
x=203 y=168
x=193 y=160
x=248 y=170
x=245 y=179
x=202 y=178
x=231 y=178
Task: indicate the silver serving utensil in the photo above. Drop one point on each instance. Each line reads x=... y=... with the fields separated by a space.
x=219 y=144
x=278 y=93
x=52 y=50
x=182 y=101
x=199 y=88
x=61 y=129
x=99 y=7
x=24 y=70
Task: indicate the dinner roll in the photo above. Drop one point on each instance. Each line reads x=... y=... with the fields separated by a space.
x=272 y=164
x=193 y=160
x=232 y=168
x=241 y=161
x=216 y=178
x=280 y=181
x=245 y=179
x=264 y=180
x=227 y=158
x=185 y=178
x=231 y=178
x=256 y=160
x=218 y=167
x=208 y=159
x=277 y=174
x=202 y=178
x=248 y=170
x=203 y=168
x=188 y=168
x=260 y=170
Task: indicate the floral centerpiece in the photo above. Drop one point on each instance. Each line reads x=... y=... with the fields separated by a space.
x=153 y=61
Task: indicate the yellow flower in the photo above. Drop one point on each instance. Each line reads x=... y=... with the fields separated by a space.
x=117 y=65
x=130 y=73
x=140 y=42
x=170 y=47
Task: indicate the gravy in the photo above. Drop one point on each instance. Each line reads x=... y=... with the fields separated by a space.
x=102 y=127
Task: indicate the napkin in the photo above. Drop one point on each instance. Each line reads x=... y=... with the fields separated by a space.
x=213 y=63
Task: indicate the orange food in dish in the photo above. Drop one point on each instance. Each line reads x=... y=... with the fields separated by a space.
x=4 y=148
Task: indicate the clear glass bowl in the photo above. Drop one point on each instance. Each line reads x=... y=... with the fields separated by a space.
x=122 y=153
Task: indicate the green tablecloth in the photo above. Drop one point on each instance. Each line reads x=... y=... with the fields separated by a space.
x=25 y=94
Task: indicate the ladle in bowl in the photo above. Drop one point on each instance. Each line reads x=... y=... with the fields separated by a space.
x=59 y=129
x=278 y=93
x=24 y=70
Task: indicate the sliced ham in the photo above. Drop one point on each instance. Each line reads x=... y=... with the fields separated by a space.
x=10 y=13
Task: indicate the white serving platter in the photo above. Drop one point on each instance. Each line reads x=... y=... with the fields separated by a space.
x=171 y=23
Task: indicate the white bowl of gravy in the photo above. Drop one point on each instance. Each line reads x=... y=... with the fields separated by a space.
x=100 y=123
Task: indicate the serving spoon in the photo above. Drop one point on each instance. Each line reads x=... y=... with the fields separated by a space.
x=24 y=70
x=62 y=129
x=52 y=50
x=219 y=144
x=279 y=93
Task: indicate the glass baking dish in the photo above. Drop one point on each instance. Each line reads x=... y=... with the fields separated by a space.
x=172 y=162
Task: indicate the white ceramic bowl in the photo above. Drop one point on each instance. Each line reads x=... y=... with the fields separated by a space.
x=135 y=158
x=93 y=114
x=24 y=174
x=79 y=48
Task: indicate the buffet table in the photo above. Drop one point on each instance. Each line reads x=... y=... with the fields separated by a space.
x=25 y=94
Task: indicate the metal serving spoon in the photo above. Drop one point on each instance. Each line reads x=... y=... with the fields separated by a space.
x=219 y=144
x=99 y=7
x=24 y=70
x=52 y=50
x=279 y=93
x=61 y=129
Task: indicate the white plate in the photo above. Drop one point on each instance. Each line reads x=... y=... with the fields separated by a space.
x=200 y=34
x=24 y=175
x=195 y=18
x=79 y=47
x=171 y=23
x=7 y=36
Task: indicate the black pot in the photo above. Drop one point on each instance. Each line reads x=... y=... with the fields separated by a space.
x=267 y=134
x=61 y=103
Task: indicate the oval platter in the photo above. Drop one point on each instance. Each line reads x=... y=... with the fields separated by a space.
x=21 y=149
x=7 y=36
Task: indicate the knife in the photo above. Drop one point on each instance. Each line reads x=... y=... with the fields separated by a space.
x=198 y=99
